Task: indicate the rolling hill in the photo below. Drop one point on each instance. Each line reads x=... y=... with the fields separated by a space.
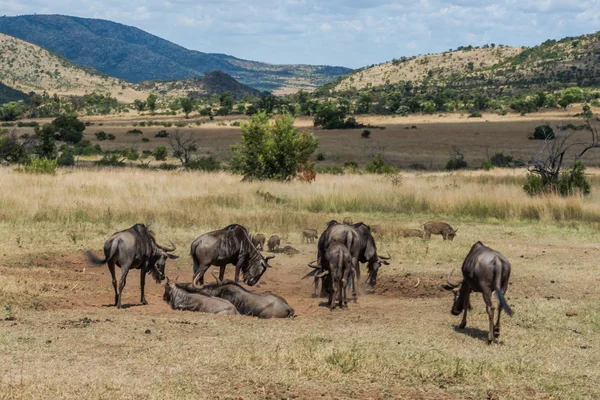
x=133 y=55
x=555 y=64
x=8 y=94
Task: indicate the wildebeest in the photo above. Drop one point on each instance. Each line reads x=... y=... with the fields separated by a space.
x=180 y=299
x=230 y=245
x=368 y=254
x=134 y=248
x=439 y=228
x=309 y=234
x=340 y=271
x=259 y=241
x=347 y=221
x=274 y=242
x=375 y=228
x=262 y=305
x=484 y=270
x=412 y=233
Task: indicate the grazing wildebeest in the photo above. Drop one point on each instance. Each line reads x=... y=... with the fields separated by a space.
x=262 y=305
x=180 y=299
x=230 y=245
x=274 y=242
x=347 y=221
x=340 y=271
x=484 y=270
x=407 y=233
x=259 y=241
x=309 y=234
x=134 y=248
x=375 y=228
x=368 y=254
x=439 y=228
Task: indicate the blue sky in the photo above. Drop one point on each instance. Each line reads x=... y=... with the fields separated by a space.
x=352 y=33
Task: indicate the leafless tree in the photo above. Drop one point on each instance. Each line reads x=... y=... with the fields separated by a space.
x=183 y=146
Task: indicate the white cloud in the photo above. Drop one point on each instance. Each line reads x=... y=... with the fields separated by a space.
x=325 y=27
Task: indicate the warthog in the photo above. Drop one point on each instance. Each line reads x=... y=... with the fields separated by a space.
x=347 y=221
x=180 y=299
x=340 y=271
x=484 y=270
x=309 y=234
x=273 y=243
x=407 y=233
x=262 y=305
x=134 y=248
x=230 y=245
x=259 y=241
x=439 y=228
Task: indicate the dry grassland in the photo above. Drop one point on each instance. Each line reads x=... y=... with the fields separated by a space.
x=60 y=341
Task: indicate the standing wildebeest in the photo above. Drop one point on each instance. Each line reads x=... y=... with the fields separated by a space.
x=262 y=305
x=347 y=221
x=439 y=228
x=309 y=234
x=368 y=254
x=180 y=299
x=485 y=271
x=273 y=243
x=134 y=248
x=259 y=241
x=339 y=262
x=230 y=245
x=407 y=233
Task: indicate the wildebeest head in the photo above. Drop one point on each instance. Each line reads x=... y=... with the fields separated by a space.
x=256 y=266
x=450 y=233
x=458 y=304
x=373 y=268
x=158 y=262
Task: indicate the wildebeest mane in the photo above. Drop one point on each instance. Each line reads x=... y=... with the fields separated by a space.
x=359 y=224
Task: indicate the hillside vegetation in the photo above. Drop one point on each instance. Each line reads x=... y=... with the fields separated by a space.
x=134 y=55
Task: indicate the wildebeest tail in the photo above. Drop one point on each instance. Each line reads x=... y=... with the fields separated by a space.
x=110 y=248
x=94 y=259
x=498 y=290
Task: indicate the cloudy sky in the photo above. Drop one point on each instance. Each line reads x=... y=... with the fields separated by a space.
x=352 y=33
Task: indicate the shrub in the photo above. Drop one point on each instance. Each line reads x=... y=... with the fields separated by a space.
x=162 y=134
x=168 y=167
x=160 y=153
x=101 y=135
x=135 y=132
x=145 y=140
x=456 y=162
x=500 y=160
x=417 y=166
x=112 y=160
x=543 y=132
x=40 y=166
x=111 y=136
x=236 y=123
x=320 y=156
x=204 y=164
x=31 y=124
x=475 y=114
x=487 y=165
x=366 y=134
x=331 y=170
x=379 y=166
x=533 y=185
x=66 y=158
x=68 y=128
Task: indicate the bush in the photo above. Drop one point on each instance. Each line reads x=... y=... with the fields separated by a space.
x=160 y=153
x=320 y=156
x=236 y=123
x=329 y=116
x=68 y=128
x=487 y=165
x=475 y=114
x=533 y=185
x=168 y=167
x=31 y=124
x=145 y=140
x=543 y=132
x=379 y=166
x=162 y=134
x=86 y=148
x=135 y=132
x=204 y=164
x=111 y=136
x=331 y=170
x=101 y=135
x=366 y=134
x=66 y=158
x=112 y=160
x=456 y=162
x=500 y=160
x=418 y=166
x=565 y=186
x=40 y=166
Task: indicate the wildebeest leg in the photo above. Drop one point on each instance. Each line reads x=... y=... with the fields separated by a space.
x=124 y=272
x=200 y=273
x=316 y=284
x=222 y=273
x=489 y=307
x=111 y=268
x=142 y=284
x=497 y=326
x=466 y=307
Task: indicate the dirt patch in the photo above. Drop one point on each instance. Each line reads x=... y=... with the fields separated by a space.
x=410 y=287
x=82 y=323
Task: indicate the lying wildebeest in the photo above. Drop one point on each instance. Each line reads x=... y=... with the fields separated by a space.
x=340 y=271
x=309 y=234
x=230 y=245
x=180 y=299
x=259 y=241
x=347 y=221
x=262 y=305
x=439 y=228
x=484 y=270
x=273 y=243
x=134 y=248
x=407 y=233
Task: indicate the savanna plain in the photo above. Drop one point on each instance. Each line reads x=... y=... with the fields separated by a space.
x=60 y=338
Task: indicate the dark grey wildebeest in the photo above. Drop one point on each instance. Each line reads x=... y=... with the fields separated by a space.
x=230 y=245
x=134 y=248
x=180 y=299
x=439 y=228
x=485 y=271
x=261 y=305
x=340 y=272
x=259 y=241
x=309 y=235
x=273 y=243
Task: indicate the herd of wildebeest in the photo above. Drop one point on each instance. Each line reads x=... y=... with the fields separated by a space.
x=341 y=248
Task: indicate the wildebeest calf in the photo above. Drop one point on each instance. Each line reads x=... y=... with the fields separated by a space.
x=439 y=228
x=259 y=241
x=412 y=233
x=180 y=299
x=273 y=243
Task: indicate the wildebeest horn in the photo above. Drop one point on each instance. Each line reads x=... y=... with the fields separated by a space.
x=418 y=282
x=195 y=281
x=386 y=258
x=321 y=274
x=450 y=285
x=176 y=278
x=312 y=265
x=167 y=249
x=215 y=276
x=267 y=258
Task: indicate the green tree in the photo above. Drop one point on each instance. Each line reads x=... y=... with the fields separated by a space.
x=272 y=150
x=226 y=100
x=364 y=104
x=68 y=128
x=187 y=106
x=151 y=102
x=160 y=153
x=46 y=141
x=139 y=105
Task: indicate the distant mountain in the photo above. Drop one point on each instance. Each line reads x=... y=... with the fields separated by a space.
x=134 y=55
x=8 y=94
x=214 y=82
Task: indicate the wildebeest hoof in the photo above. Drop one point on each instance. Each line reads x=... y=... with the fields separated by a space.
x=462 y=326
x=144 y=302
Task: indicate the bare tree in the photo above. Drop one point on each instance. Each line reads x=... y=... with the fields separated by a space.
x=548 y=163
x=183 y=146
